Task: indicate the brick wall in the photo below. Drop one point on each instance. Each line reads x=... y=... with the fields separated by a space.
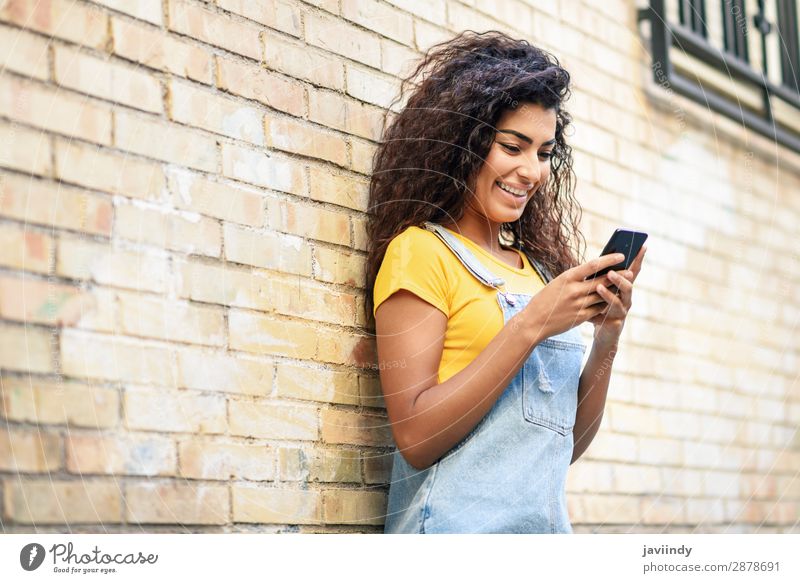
x=182 y=338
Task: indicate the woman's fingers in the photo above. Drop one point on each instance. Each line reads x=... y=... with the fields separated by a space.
x=589 y=268
x=636 y=265
x=615 y=303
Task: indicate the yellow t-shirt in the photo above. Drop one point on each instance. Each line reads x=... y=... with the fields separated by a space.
x=418 y=261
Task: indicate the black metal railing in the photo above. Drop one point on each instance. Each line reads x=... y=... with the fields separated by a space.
x=732 y=56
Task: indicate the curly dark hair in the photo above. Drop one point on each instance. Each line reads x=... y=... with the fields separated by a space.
x=432 y=150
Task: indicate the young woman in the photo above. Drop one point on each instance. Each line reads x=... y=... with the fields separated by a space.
x=477 y=294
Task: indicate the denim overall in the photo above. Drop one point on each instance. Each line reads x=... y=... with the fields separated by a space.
x=508 y=473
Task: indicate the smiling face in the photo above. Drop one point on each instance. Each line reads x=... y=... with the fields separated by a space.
x=517 y=165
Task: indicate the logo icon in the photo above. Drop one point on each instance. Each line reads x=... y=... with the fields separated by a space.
x=31 y=556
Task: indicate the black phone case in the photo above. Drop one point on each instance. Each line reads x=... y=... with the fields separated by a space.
x=622 y=241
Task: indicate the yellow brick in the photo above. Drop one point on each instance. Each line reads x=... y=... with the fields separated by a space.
x=427 y=35
x=609 y=509
x=314 y=384
x=272 y=506
x=228 y=373
x=214 y=29
x=45 y=402
x=362 y=315
x=334 y=266
x=42 y=302
x=25 y=249
x=79 y=23
x=203 y=109
x=226 y=461
x=149 y=317
x=129 y=455
x=361 y=153
x=302 y=62
x=337 y=36
x=265 y=335
x=359 y=233
x=149 y=10
x=309 y=221
x=108 y=80
x=273 y=420
x=153 y=48
x=350 y=349
x=658 y=452
x=312 y=301
x=376 y=88
x=353 y=507
x=637 y=479
x=81 y=259
x=277 y=251
x=262 y=169
x=277 y=14
x=165 y=410
x=333 y=465
x=112 y=173
x=179 y=232
x=29 y=451
x=364 y=120
x=397 y=59
x=633 y=419
x=25 y=348
x=225 y=284
x=23 y=53
x=54 y=205
x=661 y=510
x=52 y=501
x=381 y=18
x=300 y=138
x=328 y=108
x=613 y=447
x=433 y=11
x=110 y=357
x=167 y=142
x=227 y=201
x=24 y=149
x=355 y=428
x=377 y=467
x=369 y=388
x=253 y=82
x=55 y=111
x=153 y=503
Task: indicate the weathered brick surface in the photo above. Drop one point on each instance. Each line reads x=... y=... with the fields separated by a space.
x=86 y=501
x=183 y=189
x=176 y=503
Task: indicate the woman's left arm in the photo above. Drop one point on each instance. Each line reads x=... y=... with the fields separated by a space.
x=593 y=386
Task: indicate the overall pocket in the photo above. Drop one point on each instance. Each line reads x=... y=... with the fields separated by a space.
x=551 y=376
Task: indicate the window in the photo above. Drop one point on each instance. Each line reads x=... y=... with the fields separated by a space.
x=738 y=57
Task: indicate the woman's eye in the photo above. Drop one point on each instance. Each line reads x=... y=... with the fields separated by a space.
x=546 y=155
x=510 y=148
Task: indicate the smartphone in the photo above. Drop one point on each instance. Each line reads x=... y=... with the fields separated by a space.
x=629 y=243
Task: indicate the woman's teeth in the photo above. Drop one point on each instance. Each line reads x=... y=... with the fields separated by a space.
x=514 y=191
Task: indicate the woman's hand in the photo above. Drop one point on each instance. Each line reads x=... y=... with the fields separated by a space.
x=609 y=323
x=568 y=300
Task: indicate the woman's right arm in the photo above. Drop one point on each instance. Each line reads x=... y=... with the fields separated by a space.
x=427 y=418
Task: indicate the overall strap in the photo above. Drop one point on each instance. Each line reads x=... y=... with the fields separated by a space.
x=465 y=256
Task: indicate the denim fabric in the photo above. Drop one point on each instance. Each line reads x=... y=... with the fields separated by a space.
x=508 y=474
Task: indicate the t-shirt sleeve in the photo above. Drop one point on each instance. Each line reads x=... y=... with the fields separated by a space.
x=414 y=261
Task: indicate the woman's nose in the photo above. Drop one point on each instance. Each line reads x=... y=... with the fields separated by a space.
x=529 y=173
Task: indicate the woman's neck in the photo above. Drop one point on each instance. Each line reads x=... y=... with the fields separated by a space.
x=480 y=231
